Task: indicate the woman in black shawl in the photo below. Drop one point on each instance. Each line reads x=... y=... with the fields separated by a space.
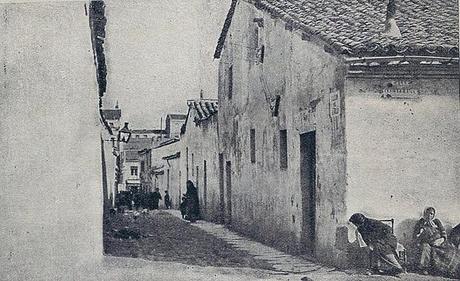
x=192 y=205
x=382 y=243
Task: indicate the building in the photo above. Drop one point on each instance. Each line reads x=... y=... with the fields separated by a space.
x=111 y=121
x=130 y=162
x=165 y=170
x=157 y=135
x=174 y=123
x=331 y=108
x=199 y=162
x=112 y=117
x=51 y=142
x=145 y=158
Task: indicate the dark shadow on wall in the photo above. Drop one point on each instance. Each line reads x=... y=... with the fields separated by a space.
x=351 y=255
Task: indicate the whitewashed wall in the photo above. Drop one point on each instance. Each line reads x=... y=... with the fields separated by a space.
x=51 y=197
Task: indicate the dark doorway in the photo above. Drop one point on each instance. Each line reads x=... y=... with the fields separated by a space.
x=205 y=185
x=221 y=187
x=308 y=188
x=228 y=170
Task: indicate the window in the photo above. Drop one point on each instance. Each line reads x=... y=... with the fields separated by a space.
x=146 y=136
x=142 y=166
x=230 y=82
x=193 y=163
x=186 y=161
x=253 y=145
x=133 y=170
x=137 y=136
x=283 y=149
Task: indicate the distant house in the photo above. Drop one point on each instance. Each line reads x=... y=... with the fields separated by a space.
x=131 y=163
x=156 y=135
x=165 y=170
x=112 y=116
x=327 y=108
x=145 y=177
x=174 y=124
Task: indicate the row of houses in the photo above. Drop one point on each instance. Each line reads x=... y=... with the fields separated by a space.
x=318 y=121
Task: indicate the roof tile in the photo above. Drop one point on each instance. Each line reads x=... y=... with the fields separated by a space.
x=356 y=26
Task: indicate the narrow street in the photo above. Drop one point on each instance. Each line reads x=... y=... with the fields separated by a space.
x=207 y=248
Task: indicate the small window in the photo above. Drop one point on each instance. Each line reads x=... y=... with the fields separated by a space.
x=253 y=145
x=133 y=170
x=142 y=166
x=230 y=82
x=146 y=136
x=193 y=162
x=283 y=150
x=137 y=136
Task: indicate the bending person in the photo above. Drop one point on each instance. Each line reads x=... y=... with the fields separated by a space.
x=381 y=242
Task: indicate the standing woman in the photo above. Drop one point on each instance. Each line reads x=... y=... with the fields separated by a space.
x=192 y=205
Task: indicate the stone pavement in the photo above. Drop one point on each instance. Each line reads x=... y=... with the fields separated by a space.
x=295 y=268
x=279 y=260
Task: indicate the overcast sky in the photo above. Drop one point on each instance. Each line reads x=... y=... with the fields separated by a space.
x=151 y=52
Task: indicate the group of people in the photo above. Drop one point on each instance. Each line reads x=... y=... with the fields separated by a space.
x=436 y=252
x=143 y=200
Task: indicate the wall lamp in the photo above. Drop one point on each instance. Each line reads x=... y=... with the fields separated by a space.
x=124 y=134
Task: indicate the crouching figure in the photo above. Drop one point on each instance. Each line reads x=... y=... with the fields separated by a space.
x=381 y=242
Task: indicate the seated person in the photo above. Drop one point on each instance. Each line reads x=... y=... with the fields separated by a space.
x=381 y=242
x=436 y=256
x=428 y=232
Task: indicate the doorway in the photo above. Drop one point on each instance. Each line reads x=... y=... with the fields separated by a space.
x=205 y=185
x=221 y=188
x=228 y=170
x=308 y=190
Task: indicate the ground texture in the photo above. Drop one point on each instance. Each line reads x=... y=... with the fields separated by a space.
x=187 y=251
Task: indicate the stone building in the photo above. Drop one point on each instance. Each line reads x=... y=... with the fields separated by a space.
x=51 y=142
x=331 y=108
x=174 y=124
x=130 y=162
x=165 y=170
x=199 y=155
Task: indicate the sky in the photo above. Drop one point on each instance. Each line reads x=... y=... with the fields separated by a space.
x=152 y=52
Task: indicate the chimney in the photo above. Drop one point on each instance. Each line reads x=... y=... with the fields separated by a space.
x=391 y=28
x=201 y=94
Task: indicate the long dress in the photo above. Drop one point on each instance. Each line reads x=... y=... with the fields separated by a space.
x=380 y=237
x=192 y=205
x=441 y=259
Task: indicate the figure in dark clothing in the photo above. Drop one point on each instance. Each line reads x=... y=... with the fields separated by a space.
x=381 y=242
x=167 y=200
x=155 y=197
x=137 y=199
x=192 y=205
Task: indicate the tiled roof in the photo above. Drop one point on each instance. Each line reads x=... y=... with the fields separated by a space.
x=204 y=108
x=131 y=155
x=177 y=116
x=354 y=27
x=111 y=114
x=138 y=144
